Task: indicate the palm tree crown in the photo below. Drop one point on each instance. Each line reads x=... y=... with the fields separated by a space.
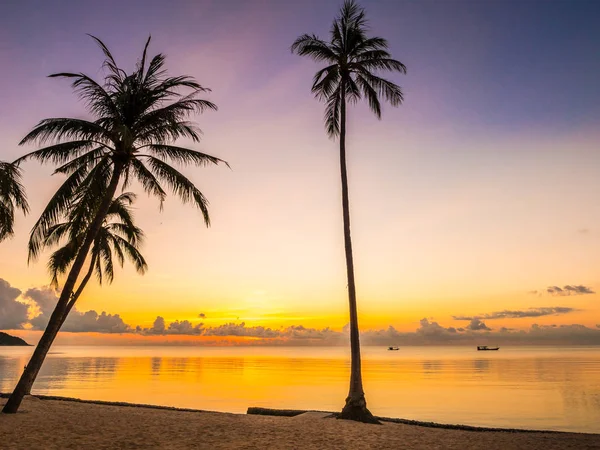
x=138 y=116
x=118 y=235
x=353 y=60
x=12 y=194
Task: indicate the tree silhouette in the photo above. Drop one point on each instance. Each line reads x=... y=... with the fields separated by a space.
x=137 y=118
x=352 y=61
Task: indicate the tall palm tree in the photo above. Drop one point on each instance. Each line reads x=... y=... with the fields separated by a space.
x=353 y=60
x=12 y=194
x=137 y=118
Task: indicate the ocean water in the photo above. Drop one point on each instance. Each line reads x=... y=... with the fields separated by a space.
x=545 y=388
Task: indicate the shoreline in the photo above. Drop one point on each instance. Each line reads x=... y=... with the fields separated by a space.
x=272 y=412
x=59 y=423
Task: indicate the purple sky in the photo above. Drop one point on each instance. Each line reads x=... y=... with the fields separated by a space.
x=481 y=187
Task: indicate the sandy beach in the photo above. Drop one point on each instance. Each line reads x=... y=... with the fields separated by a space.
x=55 y=424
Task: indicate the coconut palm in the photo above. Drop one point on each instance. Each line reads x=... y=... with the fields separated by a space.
x=137 y=117
x=12 y=194
x=118 y=235
x=352 y=61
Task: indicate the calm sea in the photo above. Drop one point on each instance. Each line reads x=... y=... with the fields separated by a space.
x=518 y=387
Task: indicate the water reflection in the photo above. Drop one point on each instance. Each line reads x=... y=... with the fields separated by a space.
x=526 y=388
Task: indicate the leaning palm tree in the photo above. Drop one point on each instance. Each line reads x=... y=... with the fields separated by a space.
x=118 y=235
x=137 y=117
x=353 y=60
x=12 y=194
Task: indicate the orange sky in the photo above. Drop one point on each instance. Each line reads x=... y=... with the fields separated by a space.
x=452 y=214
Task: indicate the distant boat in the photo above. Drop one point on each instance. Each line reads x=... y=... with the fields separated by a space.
x=486 y=348
x=393 y=348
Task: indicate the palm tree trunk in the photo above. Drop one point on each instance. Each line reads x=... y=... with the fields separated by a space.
x=356 y=404
x=80 y=289
x=62 y=307
x=68 y=309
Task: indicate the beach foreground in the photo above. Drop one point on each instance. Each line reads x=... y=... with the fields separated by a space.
x=53 y=424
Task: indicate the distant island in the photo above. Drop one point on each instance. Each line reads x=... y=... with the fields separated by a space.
x=7 y=339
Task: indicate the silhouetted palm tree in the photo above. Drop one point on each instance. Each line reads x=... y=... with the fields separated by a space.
x=118 y=235
x=352 y=59
x=138 y=116
x=12 y=194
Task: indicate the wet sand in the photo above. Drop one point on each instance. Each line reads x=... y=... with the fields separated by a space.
x=56 y=424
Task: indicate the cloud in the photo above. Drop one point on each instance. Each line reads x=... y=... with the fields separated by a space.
x=428 y=328
x=477 y=325
x=584 y=231
x=569 y=290
x=158 y=327
x=202 y=315
x=184 y=327
x=511 y=314
x=428 y=332
x=13 y=314
x=45 y=300
x=91 y=321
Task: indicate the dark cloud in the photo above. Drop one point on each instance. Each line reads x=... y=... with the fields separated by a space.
x=294 y=332
x=510 y=314
x=13 y=314
x=202 y=315
x=91 y=321
x=158 y=327
x=45 y=300
x=184 y=327
x=428 y=328
x=576 y=289
x=477 y=325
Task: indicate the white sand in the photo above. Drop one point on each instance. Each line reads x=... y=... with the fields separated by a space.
x=53 y=424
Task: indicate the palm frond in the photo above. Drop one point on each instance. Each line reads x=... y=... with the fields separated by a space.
x=182 y=155
x=313 y=46
x=180 y=185
x=57 y=207
x=148 y=181
x=12 y=194
x=64 y=129
x=332 y=113
x=370 y=94
x=59 y=153
x=390 y=91
x=96 y=98
x=84 y=161
x=117 y=75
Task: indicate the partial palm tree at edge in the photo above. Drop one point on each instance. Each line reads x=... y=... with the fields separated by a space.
x=12 y=195
x=352 y=58
x=138 y=116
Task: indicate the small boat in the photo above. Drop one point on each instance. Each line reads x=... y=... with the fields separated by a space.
x=486 y=348
x=393 y=348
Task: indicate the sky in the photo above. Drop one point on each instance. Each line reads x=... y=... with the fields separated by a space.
x=470 y=204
